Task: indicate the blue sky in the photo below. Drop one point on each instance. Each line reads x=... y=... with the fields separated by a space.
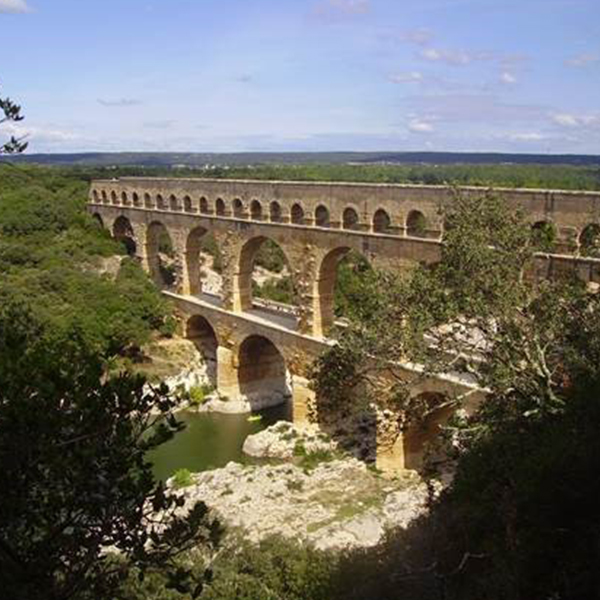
x=304 y=75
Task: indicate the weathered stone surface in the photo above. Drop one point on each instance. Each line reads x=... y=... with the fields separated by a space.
x=281 y=441
x=337 y=505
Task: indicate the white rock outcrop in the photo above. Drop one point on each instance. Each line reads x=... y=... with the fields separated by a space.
x=338 y=504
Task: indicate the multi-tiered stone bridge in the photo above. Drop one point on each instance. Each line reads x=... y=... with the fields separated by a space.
x=257 y=346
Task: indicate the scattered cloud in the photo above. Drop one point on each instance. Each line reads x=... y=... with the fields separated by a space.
x=334 y=9
x=532 y=136
x=166 y=124
x=419 y=37
x=14 y=6
x=472 y=107
x=507 y=78
x=572 y=120
x=407 y=77
x=583 y=60
x=120 y=102
x=453 y=57
x=245 y=78
x=420 y=126
x=46 y=135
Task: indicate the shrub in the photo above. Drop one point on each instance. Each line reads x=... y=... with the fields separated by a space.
x=183 y=478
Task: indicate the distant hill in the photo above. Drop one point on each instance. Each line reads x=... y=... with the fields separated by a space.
x=178 y=159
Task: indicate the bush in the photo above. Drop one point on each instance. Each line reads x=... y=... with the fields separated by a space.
x=182 y=478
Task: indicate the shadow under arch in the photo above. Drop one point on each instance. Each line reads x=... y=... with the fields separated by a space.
x=266 y=253
x=199 y=331
x=202 y=249
x=161 y=256
x=422 y=441
x=97 y=219
x=263 y=377
x=123 y=232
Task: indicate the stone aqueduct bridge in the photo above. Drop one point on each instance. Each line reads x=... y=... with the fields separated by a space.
x=316 y=225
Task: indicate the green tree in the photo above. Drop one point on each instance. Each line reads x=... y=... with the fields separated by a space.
x=520 y=518
x=80 y=507
x=11 y=112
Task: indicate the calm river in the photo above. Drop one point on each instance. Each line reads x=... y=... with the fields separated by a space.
x=210 y=441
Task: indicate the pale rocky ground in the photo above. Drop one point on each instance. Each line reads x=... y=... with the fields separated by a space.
x=338 y=504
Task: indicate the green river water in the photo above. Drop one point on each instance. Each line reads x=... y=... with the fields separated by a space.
x=210 y=441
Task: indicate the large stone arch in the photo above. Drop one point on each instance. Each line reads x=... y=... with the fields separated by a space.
x=325 y=286
x=242 y=283
x=166 y=276
x=195 y=243
x=200 y=331
x=263 y=377
x=123 y=232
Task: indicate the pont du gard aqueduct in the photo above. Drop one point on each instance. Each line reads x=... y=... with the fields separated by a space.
x=260 y=345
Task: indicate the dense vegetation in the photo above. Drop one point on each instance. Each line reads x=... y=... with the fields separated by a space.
x=584 y=176
x=51 y=256
x=519 y=521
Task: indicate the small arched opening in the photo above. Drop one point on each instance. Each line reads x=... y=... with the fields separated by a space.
x=297 y=215
x=382 y=222
x=97 y=219
x=220 y=207
x=543 y=236
x=187 y=204
x=174 y=203
x=322 y=216
x=589 y=240
x=148 y=201
x=95 y=196
x=416 y=224
x=262 y=373
x=204 y=263
x=203 y=205
x=104 y=197
x=265 y=279
x=350 y=219
x=123 y=232
x=161 y=256
x=256 y=213
x=275 y=212
x=124 y=199
x=136 y=199
x=238 y=208
x=202 y=334
x=160 y=203
x=113 y=198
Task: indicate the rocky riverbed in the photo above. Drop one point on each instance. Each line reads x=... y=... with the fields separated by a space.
x=335 y=503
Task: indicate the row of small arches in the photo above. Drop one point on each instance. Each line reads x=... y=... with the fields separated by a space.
x=415 y=225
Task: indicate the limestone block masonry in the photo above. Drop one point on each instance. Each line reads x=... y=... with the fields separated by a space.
x=315 y=225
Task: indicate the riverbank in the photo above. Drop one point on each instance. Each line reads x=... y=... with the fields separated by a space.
x=318 y=496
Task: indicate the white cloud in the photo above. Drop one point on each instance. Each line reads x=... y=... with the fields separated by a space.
x=420 y=37
x=571 y=120
x=526 y=137
x=120 y=102
x=14 y=6
x=407 y=77
x=453 y=57
x=507 y=78
x=583 y=60
x=37 y=134
x=420 y=126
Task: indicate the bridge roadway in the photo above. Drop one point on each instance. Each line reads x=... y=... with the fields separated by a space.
x=256 y=347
